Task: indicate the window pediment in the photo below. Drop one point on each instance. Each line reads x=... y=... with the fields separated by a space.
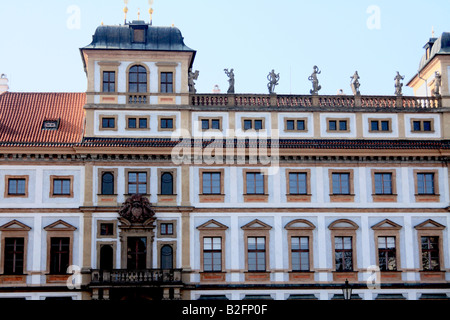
x=343 y=224
x=14 y=225
x=386 y=224
x=60 y=225
x=300 y=224
x=256 y=225
x=429 y=225
x=212 y=224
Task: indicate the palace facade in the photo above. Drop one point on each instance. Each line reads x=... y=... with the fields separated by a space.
x=141 y=188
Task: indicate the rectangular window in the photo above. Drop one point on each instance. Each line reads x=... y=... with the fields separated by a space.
x=166 y=229
x=14 y=255
x=387 y=254
x=380 y=125
x=341 y=183
x=211 y=183
x=143 y=123
x=213 y=124
x=247 y=124
x=137 y=183
x=298 y=183
x=107 y=229
x=425 y=183
x=109 y=81
x=59 y=255
x=132 y=123
x=137 y=123
x=167 y=82
x=422 y=125
x=166 y=123
x=300 y=253
x=295 y=125
x=255 y=183
x=383 y=183
x=256 y=253
x=61 y=187
x=430 y=253
x=108 y=123
x=336 y=125
x=139 y=35
x=258 y=124
x=212 y=254
x=343 y=253
x=253 y=124
x=16 y=187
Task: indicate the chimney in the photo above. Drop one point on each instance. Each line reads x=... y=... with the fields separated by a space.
x=3 y=83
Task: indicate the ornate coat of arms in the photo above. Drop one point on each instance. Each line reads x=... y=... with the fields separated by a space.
x=136 y=208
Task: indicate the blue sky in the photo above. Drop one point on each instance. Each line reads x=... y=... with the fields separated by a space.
x=40 y=40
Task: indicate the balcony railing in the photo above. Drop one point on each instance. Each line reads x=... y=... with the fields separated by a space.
x=303 y=101
x=138 y=99
x=135 y=277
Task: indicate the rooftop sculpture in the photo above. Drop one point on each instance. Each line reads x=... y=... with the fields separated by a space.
x=398 y=84
x=192 y=76
x=354 y=84
x=437 y=84
x=315 y=81
x=230 y=75
x=273 y=81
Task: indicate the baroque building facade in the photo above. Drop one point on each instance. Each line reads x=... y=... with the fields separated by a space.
x=141 y=188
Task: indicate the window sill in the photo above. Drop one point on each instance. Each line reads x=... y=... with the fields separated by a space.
x=298 y=197
x=432 y=276
x=211 y=197
x=301 y=276
x=341 y=276
x=342 y=197
x=57 y=278
x=169 y=199
x=107 y=199
x=384 y=197
x=427 y=197
x=13 y=278
x=257 y=276
x=212 y=276
x=256 y=197
x=391 y=276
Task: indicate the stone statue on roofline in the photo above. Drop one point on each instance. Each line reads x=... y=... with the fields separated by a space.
x=192 y=76
x=230 y=75
x=315 y=81
x=398 y=85
x=354 y=84
x=273 y=81
x=437 y=84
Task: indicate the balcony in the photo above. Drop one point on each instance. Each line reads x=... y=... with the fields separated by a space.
x=124 y=278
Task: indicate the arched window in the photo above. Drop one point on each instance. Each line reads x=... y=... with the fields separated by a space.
x=166 y=257
x=137 y=79
x=107 y=183
x=166 y=183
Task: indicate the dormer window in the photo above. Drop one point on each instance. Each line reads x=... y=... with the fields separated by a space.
x=139 y=35
x=50 y=125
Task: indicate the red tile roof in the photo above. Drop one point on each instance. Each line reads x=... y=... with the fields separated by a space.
x=22 y=116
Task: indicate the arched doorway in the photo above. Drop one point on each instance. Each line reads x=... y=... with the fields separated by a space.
x=166 y=257
x=106 y=257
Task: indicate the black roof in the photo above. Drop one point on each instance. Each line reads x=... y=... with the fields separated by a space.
x=121 y=37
